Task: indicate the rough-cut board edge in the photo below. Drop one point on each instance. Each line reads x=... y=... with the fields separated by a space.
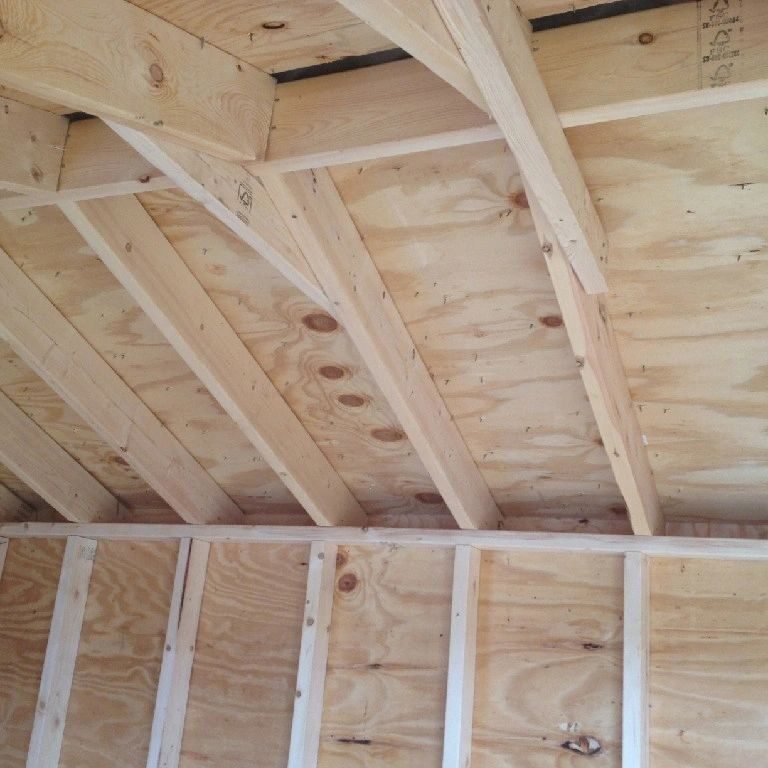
x=184 y=656
x=150 y=73
x=635 y=751
x=323 y=227
x=3 y=553
x=52 y=347
x=61 y=653
x=137 y=253
x=165 y=679
x=313 y=657
x=511 y=541
x=460 y=690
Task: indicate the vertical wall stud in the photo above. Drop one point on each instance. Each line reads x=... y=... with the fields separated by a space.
x=169 y=655
x=61 y=653
x=3 y=551
x=637 y=606
x=183 y=656
x=460 y=695
x=310 y=679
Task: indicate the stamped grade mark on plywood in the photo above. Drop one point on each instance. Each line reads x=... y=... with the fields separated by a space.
x=721 y=28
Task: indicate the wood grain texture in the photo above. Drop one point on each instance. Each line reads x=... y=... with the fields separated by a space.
x=124 y=63
x=40 y=509
x=549 y=660
x=683 y=199
x=118 y=662
x=709 y=656
x=243 y=680
x=53 y=255
x=388 y=659
x=486 y=322
x=27 y=594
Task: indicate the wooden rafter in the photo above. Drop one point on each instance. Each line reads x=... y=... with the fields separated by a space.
x=12 y=507
x=53 y=348
x=50 y=471
x=134 y=249
x=128 y=64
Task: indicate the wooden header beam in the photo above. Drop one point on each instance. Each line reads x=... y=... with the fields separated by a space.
x=127 y=64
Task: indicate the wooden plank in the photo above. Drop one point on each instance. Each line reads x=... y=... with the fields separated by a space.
x=635 y=741
x=388 y=658
x=460 y=693
x=60 y=656
x=31 y=147
x=27 y=596
x=137 y=253
x=597 y=356
x=549 y=649
x=53 y=348
x=44 y=465
x=503 y=541
x=112 y=59
x=243 y=686
x=3 y=552
x=319 y=220
x=119 y=656
x=186 y=639
x=165 y=680
x=709 y=663
x=12 y=507
x=234 y=197
x=313 y=657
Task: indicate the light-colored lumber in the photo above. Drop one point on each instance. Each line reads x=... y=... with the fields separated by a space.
x=493 y=43
x=12 y=507
x=184 y=656
x=509 y=541
x=49 y=470
x=313 y=657
x=635 y=740
x=323 y=227
x=134 y=249
x=597 y=355
x=3 y=552
x=234 y=197
x=170 y=648
x=462 y=651
x=113 y=59
x=31 y=147
x=53 y=348
x=63 y=641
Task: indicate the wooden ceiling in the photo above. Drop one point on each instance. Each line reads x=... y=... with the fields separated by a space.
x=681 y=195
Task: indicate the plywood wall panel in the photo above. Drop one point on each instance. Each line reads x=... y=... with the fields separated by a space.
x=27 y=594
x=244 y=676
x=549 y=659
x=387 y=663
x=709 y=663
x=453 y=239
x=118 y=663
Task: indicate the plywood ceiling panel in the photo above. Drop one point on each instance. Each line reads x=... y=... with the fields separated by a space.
x=683 y=198
x=452 y=236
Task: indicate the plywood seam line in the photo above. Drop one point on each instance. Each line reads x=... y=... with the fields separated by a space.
x=54 y=349
x=61 y=654
x=137 y=253
x=512 y=541
x=37 y=459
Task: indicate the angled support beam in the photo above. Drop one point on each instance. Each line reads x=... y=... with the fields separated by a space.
x=61 y=653
x=134 y=249
x=313 y=657
x=50 y=471
x=31 y=147
x=323 y=227
x=635 y=742
x=236 y=198
x=53 y=348
x=176 y=670
x=12 y=507
x=597 y=355
x=113 y=59
x=460 y=693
